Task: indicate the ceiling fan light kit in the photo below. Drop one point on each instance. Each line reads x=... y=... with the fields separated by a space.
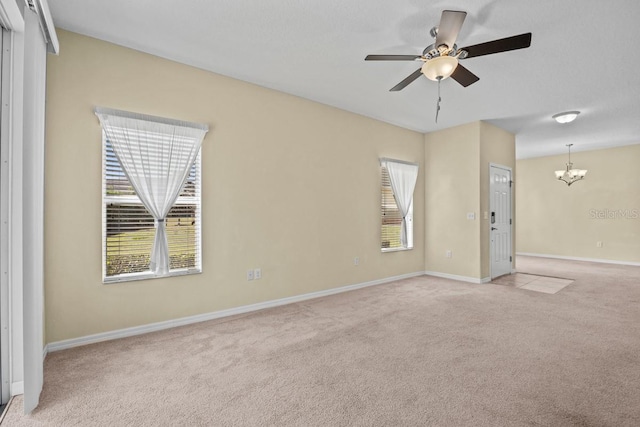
x=441 y=66
x=441 y=59
x=566 y=117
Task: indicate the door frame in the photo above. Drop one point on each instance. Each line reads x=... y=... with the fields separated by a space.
x=5 y=219
x=4 y=246
x=511 y=211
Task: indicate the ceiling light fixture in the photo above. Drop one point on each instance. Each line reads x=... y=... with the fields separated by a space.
x=570 y=175
x=440 y=67
x=566 y=117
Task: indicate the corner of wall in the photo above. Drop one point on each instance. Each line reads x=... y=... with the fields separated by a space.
x=457 y=183
x=451 y=191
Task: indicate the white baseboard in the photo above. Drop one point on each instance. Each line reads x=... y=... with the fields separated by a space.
x=456 y=277
x=571 y=258
x=17 y=388
x=152 y=327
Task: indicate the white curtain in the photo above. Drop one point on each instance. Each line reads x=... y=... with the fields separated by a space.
x=403 y=177
x=156 y=154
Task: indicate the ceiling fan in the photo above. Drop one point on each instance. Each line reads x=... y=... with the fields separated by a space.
x=441 y=59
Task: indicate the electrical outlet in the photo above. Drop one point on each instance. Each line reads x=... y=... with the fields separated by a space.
x=471 y=215
x=448 y=253
x=356 y=261
x=257 y=273
x=599 y=244
x=249 y=274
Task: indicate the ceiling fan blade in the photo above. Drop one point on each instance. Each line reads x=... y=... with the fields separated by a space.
x=391 y=57
x=406 y=81
x=464 y=76
x=450 y=24
x=501 y=45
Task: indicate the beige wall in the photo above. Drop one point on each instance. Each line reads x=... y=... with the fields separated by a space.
x=456 y=183
x=452 y=171
x=289 y=185
x=555 y=219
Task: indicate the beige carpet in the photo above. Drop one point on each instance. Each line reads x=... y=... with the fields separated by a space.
x=423 y=351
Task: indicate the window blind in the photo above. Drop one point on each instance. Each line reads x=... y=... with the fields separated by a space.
x=391 y=217
x=129 y=229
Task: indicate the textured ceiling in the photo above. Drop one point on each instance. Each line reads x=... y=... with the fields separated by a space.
x=583 y=56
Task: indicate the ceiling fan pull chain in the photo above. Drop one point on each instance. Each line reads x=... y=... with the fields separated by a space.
x=439 y=99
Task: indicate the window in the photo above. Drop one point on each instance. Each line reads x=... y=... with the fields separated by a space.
x=129 y=229
x=151 y=201
x=391 y=214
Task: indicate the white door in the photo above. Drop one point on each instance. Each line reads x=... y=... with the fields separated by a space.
x=500 y=220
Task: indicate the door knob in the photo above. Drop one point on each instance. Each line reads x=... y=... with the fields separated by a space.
x=493 y=228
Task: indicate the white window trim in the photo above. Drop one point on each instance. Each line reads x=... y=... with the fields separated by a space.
x=131 y=277
x=146 y=275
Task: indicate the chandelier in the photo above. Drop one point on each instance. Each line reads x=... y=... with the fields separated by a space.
x=570 y=175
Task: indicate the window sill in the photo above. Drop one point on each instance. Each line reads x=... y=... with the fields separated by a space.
x=395 y=249
x=147 y=276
